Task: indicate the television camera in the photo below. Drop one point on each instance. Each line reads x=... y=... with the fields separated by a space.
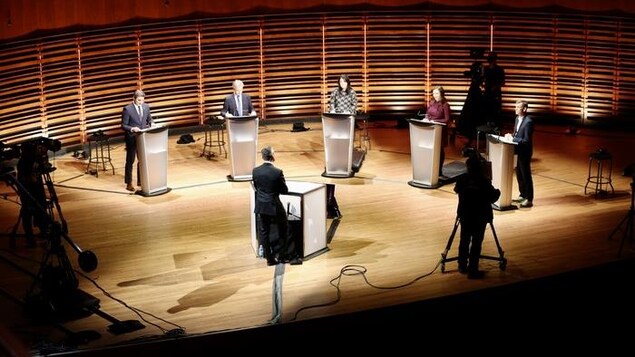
x=38 y=199
x=475 y=73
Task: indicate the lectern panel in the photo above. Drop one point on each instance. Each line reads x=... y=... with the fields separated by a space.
x=338 y=132
x=425 y=146
x=152 y=150
x=501 y=155
x=243 y=145
x=306 y=201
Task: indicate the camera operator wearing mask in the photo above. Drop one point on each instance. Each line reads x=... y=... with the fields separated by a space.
x=474 y=211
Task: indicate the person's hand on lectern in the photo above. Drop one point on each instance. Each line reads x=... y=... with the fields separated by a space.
x=135 y=129
x=228 y=115
x=509 y=136
x=253 y=113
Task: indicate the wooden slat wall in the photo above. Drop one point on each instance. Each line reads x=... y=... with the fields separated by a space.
x=293 y=67
x=230 y=50
x=574 y=67
x=451 y=38
x=344 y=54
x=396 y=61
x=110 y=74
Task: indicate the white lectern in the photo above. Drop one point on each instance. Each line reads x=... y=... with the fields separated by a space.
x=425 y=146
x=306 y=202
x=339 y=134
x=152 y=151
x=501 y=155
x=243 y=141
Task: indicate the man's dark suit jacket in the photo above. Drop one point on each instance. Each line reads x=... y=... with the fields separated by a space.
x=130 y=118
x=524 y=138
x=231 y=107
x=269 y=183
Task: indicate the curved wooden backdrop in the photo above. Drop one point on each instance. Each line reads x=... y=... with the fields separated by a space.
x=68 y=86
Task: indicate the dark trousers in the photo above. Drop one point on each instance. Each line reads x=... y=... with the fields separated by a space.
x=523 y=175
x=275 y=246
x=131 y=154
x=472 y=233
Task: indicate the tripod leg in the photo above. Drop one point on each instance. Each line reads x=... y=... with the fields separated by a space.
x=502 y=260
x=444 y=255
x=451 y=239
x=628 y=230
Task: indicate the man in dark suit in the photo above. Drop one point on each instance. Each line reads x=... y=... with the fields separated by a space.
x=237 y=104
x=523 y=135
x=476 y=195
x=269 y=183
x=135 y=116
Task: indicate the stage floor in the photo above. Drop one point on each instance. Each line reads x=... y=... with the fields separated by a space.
x=186 y=258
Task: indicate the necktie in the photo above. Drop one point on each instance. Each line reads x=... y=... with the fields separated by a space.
x=139 y=111
x=239 y=105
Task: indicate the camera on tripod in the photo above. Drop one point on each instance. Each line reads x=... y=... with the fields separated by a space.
x=476 y=69
x=34 y=153
x=484 y=165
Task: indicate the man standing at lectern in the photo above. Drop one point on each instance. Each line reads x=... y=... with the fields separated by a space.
x=269 y=184
x=523 y=135
x=237 y=104
x=135 y=116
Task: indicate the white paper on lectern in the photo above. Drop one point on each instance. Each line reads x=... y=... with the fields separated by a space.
x=428 y=121
x=503 y=139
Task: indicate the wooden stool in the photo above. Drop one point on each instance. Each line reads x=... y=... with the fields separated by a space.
x=214 y=138
x=99 y=153
x=598 y=161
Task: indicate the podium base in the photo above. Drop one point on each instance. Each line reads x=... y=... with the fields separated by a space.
x=419 y=184
x=342 y=175
x=504 y=208
x=315 y=254
x=154 y=193
x=231 y=178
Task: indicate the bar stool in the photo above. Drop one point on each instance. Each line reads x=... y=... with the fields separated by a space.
x=363 y=138
x=214 y=138
x=99 y=153
x=599 y=160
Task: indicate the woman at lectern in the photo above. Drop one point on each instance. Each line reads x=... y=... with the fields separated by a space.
x=343 y=98
x=439 y=110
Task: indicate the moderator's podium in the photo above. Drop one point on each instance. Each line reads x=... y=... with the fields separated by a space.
x=243 y=142
x=306 y=203
x=152 y=151
x=338 y=132
x=501 y=155
x=425 y=146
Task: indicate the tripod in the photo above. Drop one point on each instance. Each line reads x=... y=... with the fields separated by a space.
x=44 y=204
x=626 y=224
x=501 y=255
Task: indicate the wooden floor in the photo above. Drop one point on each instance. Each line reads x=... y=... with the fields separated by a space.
x=185 y=257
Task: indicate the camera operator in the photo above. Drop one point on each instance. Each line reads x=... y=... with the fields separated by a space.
x=472 y=112
x=31 y=166
x=476 y=195
x=494 y=80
